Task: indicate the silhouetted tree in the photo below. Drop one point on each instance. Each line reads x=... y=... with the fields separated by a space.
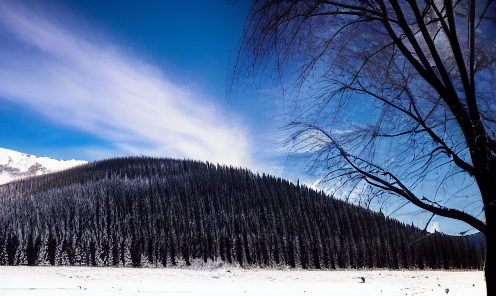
x=392 y=96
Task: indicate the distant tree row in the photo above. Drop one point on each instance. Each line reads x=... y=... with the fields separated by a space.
x=161 y=212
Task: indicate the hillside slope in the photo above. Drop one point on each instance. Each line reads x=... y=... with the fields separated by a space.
x=160 y=212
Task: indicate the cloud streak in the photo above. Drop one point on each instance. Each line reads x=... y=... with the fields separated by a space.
x=92 y=86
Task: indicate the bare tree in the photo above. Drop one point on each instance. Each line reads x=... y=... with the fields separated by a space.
x=392 y=98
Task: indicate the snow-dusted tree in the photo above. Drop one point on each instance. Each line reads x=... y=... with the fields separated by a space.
x=394 y=98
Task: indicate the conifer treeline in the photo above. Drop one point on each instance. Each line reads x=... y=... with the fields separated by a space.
x=139 y=211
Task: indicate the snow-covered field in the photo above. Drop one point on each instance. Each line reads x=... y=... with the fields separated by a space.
x=24 y=280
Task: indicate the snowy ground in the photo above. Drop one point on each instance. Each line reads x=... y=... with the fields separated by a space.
x=40 y=281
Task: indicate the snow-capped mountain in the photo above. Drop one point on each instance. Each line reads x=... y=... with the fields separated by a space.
x=16 y=165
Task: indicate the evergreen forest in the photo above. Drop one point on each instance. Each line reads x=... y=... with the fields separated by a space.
x=141 y=211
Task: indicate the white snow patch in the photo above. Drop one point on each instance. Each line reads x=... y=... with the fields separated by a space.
x=433 y=227
x=41 y=281
x=15 y=165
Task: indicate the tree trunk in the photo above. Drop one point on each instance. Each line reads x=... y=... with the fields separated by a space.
x=490 y=266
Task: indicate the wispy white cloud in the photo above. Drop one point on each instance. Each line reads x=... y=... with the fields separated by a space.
x=92 y=86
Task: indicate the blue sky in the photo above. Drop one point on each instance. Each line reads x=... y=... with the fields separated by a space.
x=88 y=79
x=95 y=79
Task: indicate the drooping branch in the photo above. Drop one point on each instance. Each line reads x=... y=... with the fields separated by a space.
x=401 y=189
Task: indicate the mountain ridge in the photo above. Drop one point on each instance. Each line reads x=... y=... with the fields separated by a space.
x=16 y=165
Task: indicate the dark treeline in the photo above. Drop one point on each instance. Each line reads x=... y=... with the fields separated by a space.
x=139 y=211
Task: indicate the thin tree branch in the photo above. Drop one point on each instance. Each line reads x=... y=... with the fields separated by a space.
x=407 y=194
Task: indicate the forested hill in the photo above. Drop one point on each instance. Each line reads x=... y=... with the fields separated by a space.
x=139 y=211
